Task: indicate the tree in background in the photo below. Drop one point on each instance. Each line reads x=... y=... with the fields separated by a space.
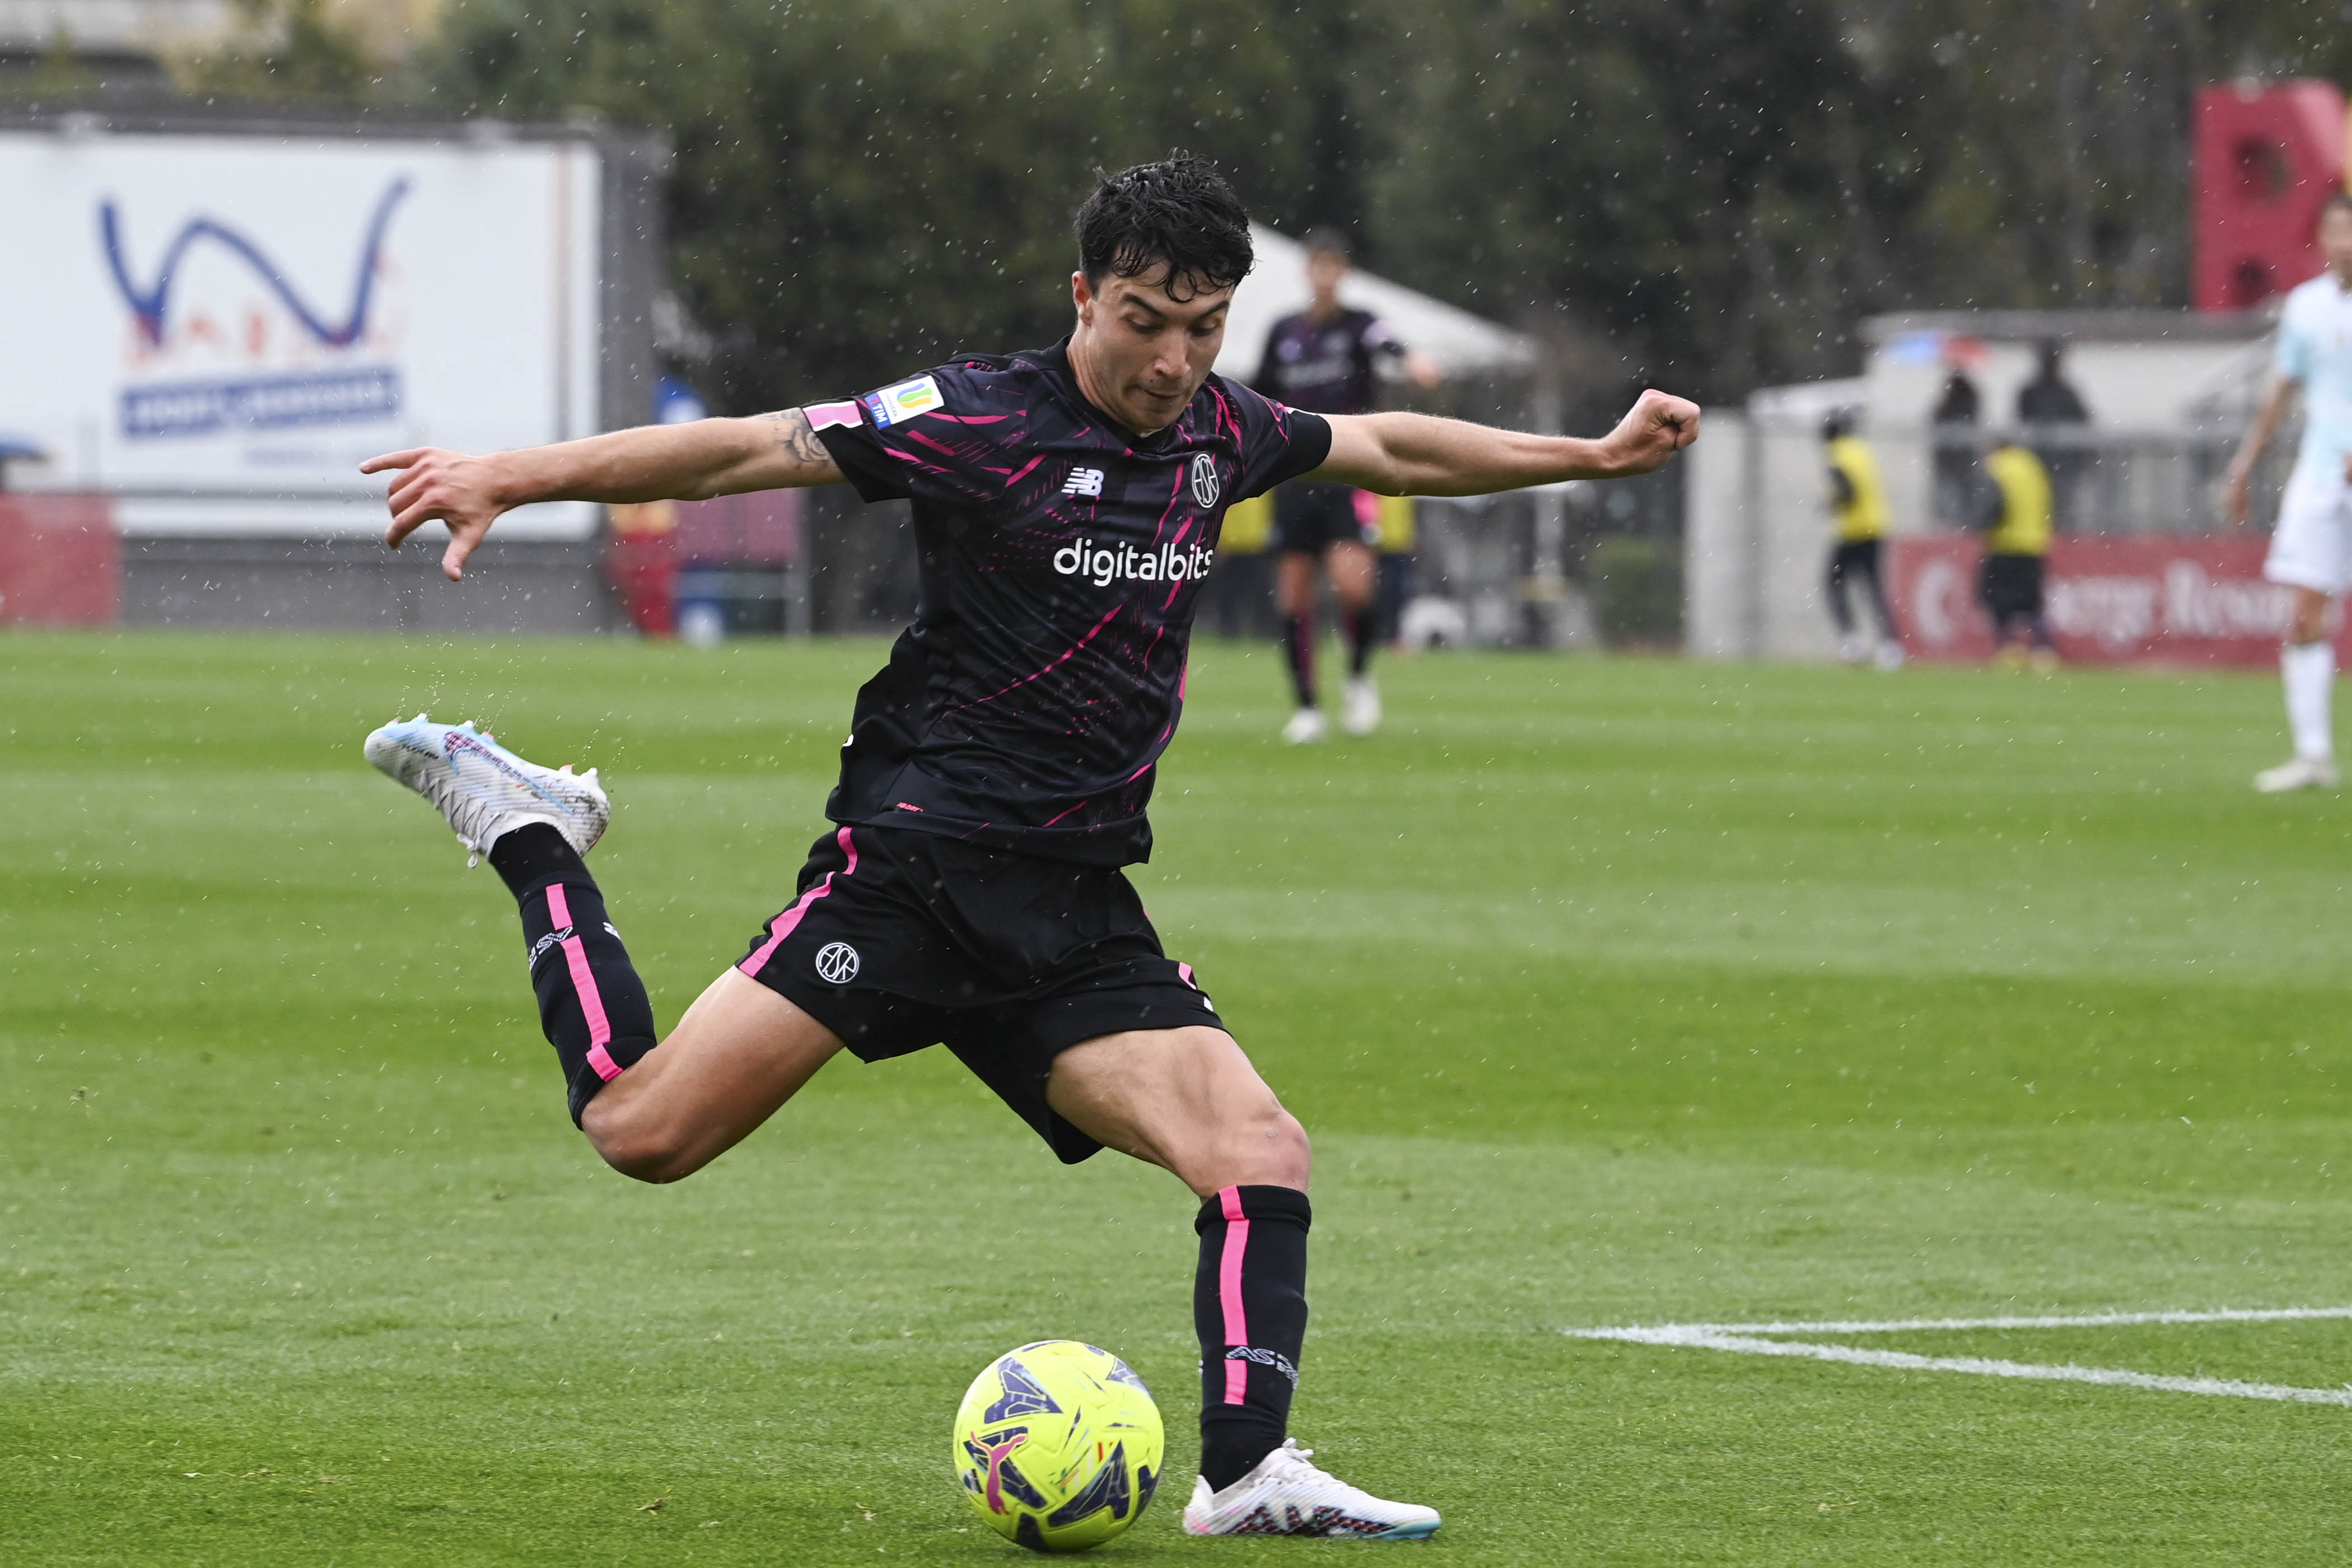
x=1710 y=195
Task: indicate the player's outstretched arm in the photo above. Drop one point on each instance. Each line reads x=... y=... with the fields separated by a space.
x=689 y=462
x=1414 y=454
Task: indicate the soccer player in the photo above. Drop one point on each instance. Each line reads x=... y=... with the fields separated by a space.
x=2309 y=550
x=1322 y=360
x=1859 y=510
x=1066 y=501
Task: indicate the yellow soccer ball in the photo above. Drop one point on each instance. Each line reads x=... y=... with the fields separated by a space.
x=1058 y=1446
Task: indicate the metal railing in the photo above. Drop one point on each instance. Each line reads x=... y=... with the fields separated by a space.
x=2105 y=480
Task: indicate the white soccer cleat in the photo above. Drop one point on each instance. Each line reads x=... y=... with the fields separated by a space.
x=484 y=790
x=1890 y=656
x=1854 y=648
x=1288 y=1496
x=1306 y=727
x=2303 y=773
x=1361 y=714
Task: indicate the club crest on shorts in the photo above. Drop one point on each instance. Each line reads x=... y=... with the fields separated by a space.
x=836 y=964
x=1207 y=487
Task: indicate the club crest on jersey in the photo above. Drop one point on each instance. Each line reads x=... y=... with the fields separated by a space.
x=894 y=404
x=1206 y=485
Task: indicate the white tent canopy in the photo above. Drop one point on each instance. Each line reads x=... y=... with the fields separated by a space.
x=1460 y=343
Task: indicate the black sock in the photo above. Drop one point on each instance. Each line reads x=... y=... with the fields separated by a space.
x=1298 y=647
x=592 y=1006
x=534 y=853
x=1359 y=626
x=1249 y=1307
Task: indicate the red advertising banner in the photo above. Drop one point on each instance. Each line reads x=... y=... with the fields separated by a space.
x=2111 y=599
x=60 y=563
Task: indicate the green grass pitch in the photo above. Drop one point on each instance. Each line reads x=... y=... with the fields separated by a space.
x=1613 y=990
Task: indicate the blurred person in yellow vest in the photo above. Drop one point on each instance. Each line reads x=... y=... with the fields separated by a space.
x=1399 y=560
x=2011 y=507
x=1858 y=509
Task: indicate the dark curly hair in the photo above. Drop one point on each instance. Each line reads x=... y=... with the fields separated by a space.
x=1178 y=214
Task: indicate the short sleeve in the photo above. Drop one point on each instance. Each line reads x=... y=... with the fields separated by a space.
x=2294 y=345
x=1278 y=442
x=937 y=437
x=1380 y=338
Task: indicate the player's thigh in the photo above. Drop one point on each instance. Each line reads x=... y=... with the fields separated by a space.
x=740 y=1052
x=1351 y=568
x=1187 y=1099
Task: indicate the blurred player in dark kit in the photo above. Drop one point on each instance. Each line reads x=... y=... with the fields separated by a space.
x=1324 y=359
x=1066 y=501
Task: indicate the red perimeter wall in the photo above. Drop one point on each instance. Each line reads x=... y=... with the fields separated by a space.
x=2152 y=599
x=60 y=562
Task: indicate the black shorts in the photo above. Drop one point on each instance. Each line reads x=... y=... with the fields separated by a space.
x=2010 y=585
x=1856 y=555
x=899 y=941
x=1310 y=519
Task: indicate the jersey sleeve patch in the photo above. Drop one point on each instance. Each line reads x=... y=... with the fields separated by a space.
x=894 y=405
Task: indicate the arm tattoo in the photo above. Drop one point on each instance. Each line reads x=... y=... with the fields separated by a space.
x=798 y=440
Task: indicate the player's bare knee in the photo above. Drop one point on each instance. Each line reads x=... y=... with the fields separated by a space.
x=1276 y=1152
x=636 y=1146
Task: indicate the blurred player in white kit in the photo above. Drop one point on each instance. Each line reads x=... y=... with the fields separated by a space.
x=2311 y=549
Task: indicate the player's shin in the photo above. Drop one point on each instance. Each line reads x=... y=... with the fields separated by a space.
x=1249 y=1307
x=2308 y=671
x=1298 y=647
x=592 y=1006
x=1362 y=624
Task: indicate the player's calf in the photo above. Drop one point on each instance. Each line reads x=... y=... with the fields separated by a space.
x=534 y=823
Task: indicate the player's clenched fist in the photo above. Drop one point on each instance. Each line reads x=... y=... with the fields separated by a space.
x=439 y=486
x=1658 y=426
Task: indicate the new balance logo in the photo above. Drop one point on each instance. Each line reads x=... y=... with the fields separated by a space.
x=1083 y=482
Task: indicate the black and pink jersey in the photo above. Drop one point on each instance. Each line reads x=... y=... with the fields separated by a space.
x=1325 y=366
x=1061 y=556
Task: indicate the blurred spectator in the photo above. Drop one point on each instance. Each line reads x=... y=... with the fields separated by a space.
x=1399 y=564
x=1858 y=509
x=2047 y=401
x=1955 y=421
x=2010 y=504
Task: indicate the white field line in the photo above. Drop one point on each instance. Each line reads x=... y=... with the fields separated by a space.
x=1741 y=1339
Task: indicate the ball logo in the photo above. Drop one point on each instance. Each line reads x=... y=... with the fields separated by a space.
x=836 y=964
x=1205 y=486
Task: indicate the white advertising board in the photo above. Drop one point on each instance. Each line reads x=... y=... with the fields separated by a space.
x=217 y=328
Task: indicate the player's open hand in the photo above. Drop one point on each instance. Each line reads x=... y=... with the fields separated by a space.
x=2238 y=504
x=1658 y=426
x=439 y=486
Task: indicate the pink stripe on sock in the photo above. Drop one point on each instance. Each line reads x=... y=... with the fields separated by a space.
x=1229 y=1292
x=783 y=924
x=583 y=981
